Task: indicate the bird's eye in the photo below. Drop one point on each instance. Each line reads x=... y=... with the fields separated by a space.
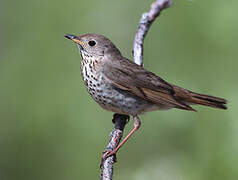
x=92 y=43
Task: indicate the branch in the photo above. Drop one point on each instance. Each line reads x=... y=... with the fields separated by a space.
x=120 y=120
x=145 y=22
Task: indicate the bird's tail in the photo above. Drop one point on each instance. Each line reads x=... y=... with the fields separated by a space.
x=207 y=100
x=190 y=97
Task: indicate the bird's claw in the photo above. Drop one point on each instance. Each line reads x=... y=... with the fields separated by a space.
x=106 y=154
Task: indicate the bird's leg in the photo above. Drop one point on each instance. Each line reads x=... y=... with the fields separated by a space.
x=109 y=153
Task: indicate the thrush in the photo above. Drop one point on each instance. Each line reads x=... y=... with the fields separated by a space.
x=121 y=86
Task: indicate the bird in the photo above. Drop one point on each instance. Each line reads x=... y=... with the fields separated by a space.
x=121 y=86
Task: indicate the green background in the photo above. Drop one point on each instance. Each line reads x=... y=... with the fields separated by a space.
x=50 y=129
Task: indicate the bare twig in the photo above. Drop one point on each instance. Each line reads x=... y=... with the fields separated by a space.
x=119 y=119
x=144 y=25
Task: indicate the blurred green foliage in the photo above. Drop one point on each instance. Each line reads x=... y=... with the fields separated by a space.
x=51 y=129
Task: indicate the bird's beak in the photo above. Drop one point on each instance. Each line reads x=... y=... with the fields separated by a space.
x=75 y=39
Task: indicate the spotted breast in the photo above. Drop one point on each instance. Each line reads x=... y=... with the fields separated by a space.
x=105 y=94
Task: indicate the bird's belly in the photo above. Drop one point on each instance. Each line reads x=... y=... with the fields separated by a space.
x=119 y=101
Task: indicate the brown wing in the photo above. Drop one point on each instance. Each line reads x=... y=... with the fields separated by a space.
x=127 y=75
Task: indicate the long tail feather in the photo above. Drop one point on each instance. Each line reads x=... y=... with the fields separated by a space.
x=190 y=97
x=207 y=100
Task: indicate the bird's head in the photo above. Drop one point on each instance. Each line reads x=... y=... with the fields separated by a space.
x=95 y=45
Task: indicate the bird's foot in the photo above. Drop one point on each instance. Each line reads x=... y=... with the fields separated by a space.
x=106 y=154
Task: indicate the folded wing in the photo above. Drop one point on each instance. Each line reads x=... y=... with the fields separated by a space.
x=126 y=75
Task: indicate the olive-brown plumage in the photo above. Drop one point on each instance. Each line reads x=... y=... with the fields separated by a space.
x=119 y=85
x=123 y=87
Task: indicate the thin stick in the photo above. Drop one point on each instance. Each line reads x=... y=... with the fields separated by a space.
x=120 y=120
x=145 y=22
